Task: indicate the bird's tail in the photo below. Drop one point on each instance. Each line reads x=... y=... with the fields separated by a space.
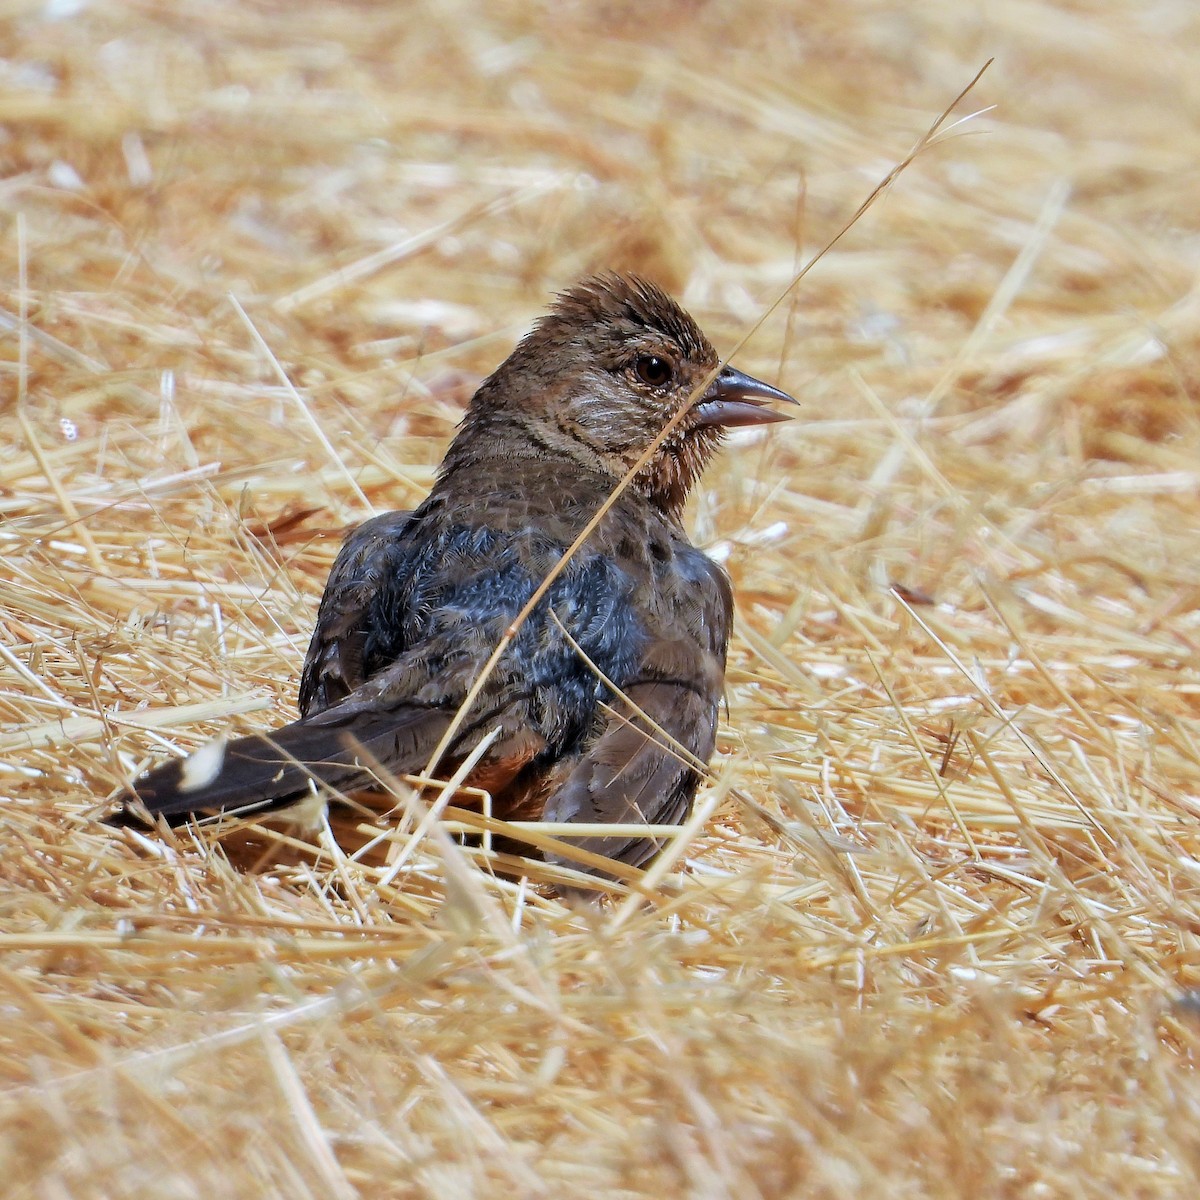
x=265 y=771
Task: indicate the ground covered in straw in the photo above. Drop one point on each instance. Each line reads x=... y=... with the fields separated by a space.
x=939 y=936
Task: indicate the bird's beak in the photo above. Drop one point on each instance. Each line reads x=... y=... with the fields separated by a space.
x=734 y=398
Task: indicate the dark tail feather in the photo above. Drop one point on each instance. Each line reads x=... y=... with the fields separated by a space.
x=273 y=770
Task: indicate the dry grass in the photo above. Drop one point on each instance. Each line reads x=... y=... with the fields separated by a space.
x=940 y=937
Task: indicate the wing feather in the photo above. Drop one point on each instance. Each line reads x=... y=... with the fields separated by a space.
x=645 y=769
x=336 y=664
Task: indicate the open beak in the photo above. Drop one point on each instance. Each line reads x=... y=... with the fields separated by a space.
x=734 y=398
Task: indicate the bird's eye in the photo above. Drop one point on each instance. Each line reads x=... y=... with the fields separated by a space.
x=653 y=370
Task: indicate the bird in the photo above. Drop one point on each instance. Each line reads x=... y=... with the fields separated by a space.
x=602 y=708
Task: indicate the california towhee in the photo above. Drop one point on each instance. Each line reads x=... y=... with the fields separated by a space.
x=417 y=602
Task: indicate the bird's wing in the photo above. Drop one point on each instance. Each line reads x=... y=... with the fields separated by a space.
x=334 y=666
x=646 y=763
x=364 y=707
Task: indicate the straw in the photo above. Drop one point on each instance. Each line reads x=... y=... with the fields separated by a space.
x=931 y=929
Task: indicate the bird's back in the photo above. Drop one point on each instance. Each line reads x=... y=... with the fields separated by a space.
x=458 y=572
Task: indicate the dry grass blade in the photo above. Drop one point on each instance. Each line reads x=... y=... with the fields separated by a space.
x=931 y=930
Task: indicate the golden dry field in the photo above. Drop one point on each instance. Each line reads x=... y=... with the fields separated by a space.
x=939 y=935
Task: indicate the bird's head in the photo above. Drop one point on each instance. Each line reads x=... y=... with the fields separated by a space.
x=601 y=374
